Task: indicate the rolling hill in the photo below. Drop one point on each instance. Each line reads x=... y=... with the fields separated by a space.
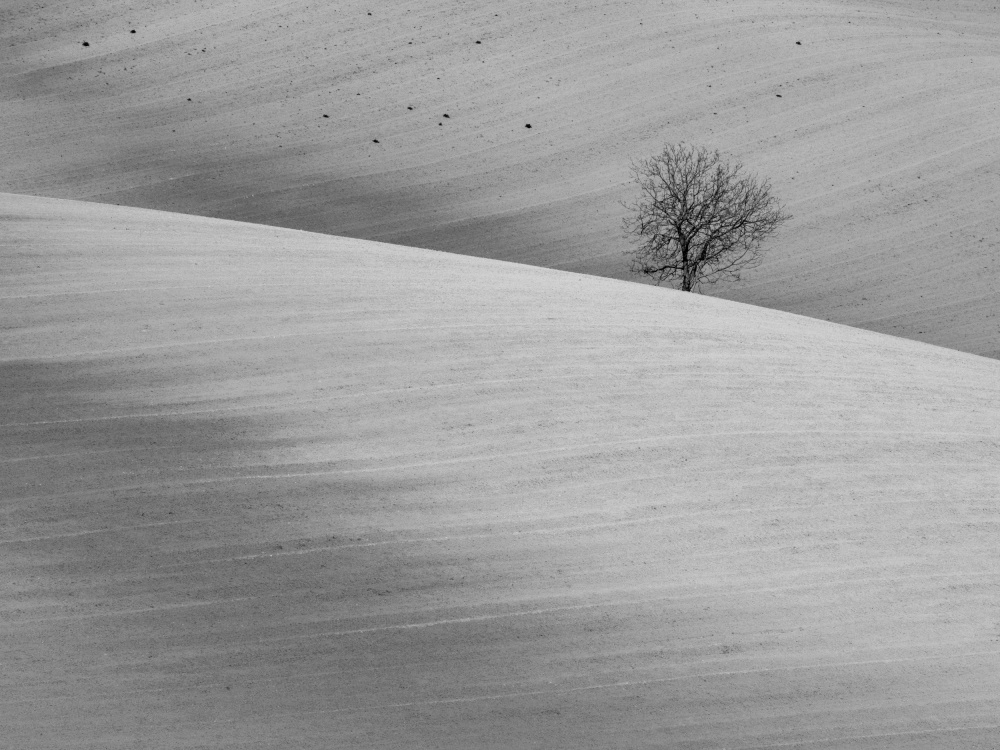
x=266 y=488
x=876 y=121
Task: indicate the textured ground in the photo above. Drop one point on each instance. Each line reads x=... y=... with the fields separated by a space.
x=268 y=489
x=876 y=120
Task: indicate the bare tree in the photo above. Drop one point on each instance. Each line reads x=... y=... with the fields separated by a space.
x=698 y=218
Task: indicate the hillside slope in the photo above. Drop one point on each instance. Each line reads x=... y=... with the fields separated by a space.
x=875 y=120
x=266 y=489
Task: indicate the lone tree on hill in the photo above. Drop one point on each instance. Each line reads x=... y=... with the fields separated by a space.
x=698 y=218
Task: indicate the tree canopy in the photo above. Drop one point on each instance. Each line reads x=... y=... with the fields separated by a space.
x=698 y=218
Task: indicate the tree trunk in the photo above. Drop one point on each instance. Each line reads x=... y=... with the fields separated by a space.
x=687 y=276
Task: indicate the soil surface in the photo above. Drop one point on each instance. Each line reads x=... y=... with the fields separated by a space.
x=875 y=121
x=265 y=489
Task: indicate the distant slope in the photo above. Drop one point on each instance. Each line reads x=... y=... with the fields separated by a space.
x=876 y=121
x=263 y=489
